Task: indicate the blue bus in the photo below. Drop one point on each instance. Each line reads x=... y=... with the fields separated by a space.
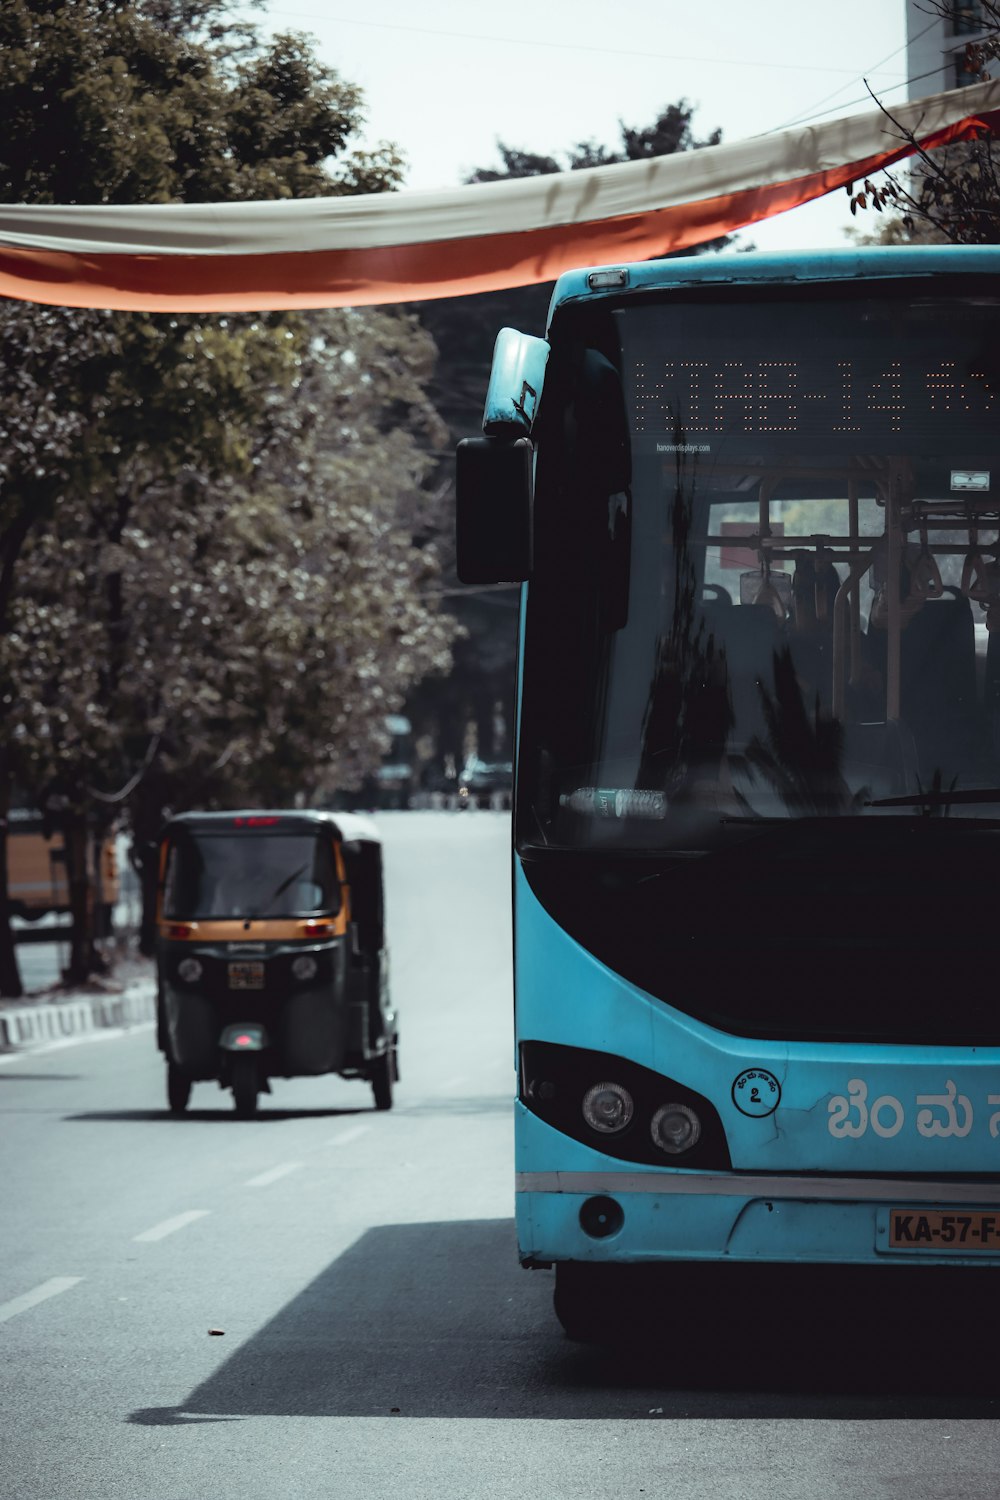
x=755 y=505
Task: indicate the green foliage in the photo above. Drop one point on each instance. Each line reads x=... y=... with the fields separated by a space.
x=272 y=621
x=108 y=102
x=669 y=132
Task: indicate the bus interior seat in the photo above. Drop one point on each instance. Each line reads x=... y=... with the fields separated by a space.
x=747 y=635
x=810 y=635
x=814 y=591
x=938 y=692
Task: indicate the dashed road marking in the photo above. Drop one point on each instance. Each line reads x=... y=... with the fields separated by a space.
x=346 y=1136
x=170 y=1226
x=42 y=1293
x=274 y=1173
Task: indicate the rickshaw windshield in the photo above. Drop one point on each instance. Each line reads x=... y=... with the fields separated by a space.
x=250 y=875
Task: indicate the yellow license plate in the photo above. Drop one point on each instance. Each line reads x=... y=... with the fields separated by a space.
x=246 y=976
x=923 y=1229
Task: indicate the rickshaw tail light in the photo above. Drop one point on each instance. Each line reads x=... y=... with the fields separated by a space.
x=180 y=930
x=315 y=929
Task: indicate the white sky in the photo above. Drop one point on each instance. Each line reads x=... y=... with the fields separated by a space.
x=445 y=79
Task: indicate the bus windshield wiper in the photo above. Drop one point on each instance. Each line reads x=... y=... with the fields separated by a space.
x=938 y=799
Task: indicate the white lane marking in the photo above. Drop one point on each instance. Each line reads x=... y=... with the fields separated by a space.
x=170 y=1226
x=50 y=1288
x=347 y=1135
x=273 y=1174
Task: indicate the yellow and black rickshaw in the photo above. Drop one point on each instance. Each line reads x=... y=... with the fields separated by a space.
x=271 y=953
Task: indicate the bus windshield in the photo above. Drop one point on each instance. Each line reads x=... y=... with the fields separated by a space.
x=767 y=576
x=249 y=875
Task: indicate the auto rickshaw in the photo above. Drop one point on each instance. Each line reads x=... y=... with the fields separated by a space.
x=271 y=955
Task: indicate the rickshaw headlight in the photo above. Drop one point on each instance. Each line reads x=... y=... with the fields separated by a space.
x=607 y=1107
x=304 y=967
x=675 y=1128
x=189 y=969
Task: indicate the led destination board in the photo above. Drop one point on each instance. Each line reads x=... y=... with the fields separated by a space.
x=840 y=375
x=810 y=395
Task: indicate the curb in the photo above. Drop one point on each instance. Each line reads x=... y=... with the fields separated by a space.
x=25 y=1026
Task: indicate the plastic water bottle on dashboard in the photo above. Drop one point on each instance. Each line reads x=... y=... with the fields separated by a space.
x=615 y=802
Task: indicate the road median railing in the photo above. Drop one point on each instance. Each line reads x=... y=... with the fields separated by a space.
x=33 y=1023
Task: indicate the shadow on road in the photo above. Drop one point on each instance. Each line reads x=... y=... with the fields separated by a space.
x=437 y=1320
x=6 y=1077
x=224 y=1114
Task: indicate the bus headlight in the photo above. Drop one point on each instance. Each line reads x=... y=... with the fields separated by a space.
x=607 y=1108
x=675 y=1128
x=189 y=969
x=304 y=967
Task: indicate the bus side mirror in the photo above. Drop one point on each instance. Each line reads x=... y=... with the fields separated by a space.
x=493 y=510
x=517 y=376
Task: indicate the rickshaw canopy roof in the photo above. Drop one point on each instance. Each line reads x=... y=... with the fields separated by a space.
x=345 y=827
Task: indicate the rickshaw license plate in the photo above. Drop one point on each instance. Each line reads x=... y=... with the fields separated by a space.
x=920 y=1229
x=246 y=976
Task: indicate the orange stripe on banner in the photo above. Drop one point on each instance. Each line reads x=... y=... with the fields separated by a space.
x=434 y=268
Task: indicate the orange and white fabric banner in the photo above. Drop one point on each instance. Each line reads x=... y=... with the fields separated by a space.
x=411 y=246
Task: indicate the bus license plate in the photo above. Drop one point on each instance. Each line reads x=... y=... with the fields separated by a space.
x=920 y=1229
x=246 y=976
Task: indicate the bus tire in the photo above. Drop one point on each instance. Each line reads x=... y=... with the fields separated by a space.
x=178 y=1089
x=585 y=1303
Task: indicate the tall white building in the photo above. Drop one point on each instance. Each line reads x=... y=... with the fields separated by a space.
x=935 y=45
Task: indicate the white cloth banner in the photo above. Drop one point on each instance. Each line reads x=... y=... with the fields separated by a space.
x=410 y=245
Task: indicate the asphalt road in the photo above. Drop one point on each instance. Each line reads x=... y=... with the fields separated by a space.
x=375 y=1334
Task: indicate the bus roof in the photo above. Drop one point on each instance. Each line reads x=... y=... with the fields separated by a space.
x=348 y=827
x=792 y=268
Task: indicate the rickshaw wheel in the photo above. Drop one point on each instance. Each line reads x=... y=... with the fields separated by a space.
x=245 y=1084
x=178 y=1089
x=381 y=1079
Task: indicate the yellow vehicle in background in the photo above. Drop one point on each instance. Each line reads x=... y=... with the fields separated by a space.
x=271 y=953
x=37 y=876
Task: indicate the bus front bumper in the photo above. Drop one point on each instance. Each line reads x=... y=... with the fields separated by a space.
x=631 y=1217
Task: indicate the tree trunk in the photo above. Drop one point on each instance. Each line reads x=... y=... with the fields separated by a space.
x=10 y=975
x=11 y=542
x=146 y=861
x=148 y=807
x=83 y=955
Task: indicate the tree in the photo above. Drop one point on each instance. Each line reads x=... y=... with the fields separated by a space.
x=464 y=329
x=175 y=515
x=950 y=196
x=670 y=132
